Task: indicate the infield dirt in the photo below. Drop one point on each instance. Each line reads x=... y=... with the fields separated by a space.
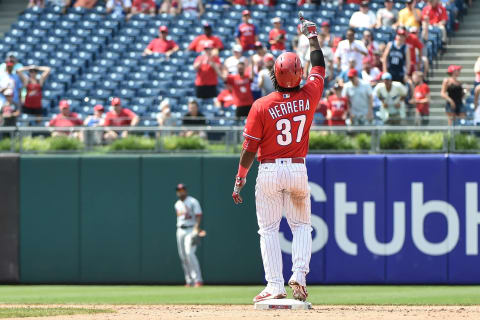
x=242 y=312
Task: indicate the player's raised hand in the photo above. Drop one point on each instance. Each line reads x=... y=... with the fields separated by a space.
x=239 y=183
x=309 y=28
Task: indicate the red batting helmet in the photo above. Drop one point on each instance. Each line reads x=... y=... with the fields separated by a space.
x=288 y=70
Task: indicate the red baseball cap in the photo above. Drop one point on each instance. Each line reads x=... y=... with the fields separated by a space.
x=452 y=68
x=258 y=44
x=98 y=107
x=401 y=32
x=352 y=73
x=245 y=12
x=63 y=104
x=163 y=29
x=116 y=102
x=268 y=57
x=325 y=24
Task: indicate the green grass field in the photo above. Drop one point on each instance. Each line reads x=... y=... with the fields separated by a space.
x=326 y=295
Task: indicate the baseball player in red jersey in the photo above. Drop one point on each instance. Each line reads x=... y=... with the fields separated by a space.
x=277 y=129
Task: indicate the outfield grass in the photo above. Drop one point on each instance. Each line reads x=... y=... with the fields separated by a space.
x=330 y=295
x=45 y=312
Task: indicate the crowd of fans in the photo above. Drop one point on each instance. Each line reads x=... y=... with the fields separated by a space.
x=367 y=82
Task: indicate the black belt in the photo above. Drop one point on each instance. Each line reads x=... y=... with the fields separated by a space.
x=294 y=160
x=185 y=227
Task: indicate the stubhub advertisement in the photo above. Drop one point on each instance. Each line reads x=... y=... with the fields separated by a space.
x=392 y=219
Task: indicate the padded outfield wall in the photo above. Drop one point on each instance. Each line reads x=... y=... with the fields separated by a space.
x=377 y=219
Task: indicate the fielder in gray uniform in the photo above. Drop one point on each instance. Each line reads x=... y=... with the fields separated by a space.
x=189 y=217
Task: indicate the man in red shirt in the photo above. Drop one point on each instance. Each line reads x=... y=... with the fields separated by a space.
x=198 y=44
x=119 y=117
x=337 y=107
x=421 y=99
x=277 y=36
x=65 y=119
x=241 y=92
x=143 y=6
x=246 y=32
x=278 y=128
x=224 y=98
x=208 y=67
x=435 y=14
x=161 y=44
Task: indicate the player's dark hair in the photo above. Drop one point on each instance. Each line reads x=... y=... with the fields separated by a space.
x=277 y=86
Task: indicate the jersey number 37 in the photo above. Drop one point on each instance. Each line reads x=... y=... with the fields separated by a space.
x=285 y=128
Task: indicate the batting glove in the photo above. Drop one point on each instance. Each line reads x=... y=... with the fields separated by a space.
x=309 y=29
x=239 y=183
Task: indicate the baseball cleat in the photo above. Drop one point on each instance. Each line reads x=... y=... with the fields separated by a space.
x=299 y=291
x=198 y=284
x=265 y=295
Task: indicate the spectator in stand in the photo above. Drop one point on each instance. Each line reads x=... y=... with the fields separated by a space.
x=364 y=18
x=10 y=58
x=231 y=62
x=410 y=16
x=476 y=69
x=330 y=39
x=369 y=43
x=416 y=52
x=392 y=95
x=224 y=98
x=388 y=16
x=164 y=117
x=198 y=44
x=143 y=6
x=269 y=3
x=193 y=7
x=161 y=44
x=301 y=45
x=9 y=110
x=343 y=75
x=88 y=4
x=328 y=56
x=36 y=3
x=119 y=117
x=246 y=32
x=119 y=7
x=360 y=99
x=194 y=118
x=33 y=99
x=260 y=52
x=277 y=36
x=377 y=60
x=396 y=57
x=453 y=93
x=169 y=7
x=435 y=14
x=264 y=76
x=208 y=67
x=65 y=119
x=370 y=73
x=9 y=79
x=95 y=120
x=242 y=94
x=421 y=99
x=337 y=107
x=350 y=49
x=253 y=70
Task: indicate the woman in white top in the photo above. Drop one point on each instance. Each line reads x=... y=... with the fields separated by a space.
x=193 y=7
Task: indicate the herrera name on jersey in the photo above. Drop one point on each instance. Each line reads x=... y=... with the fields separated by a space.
x=283 y=109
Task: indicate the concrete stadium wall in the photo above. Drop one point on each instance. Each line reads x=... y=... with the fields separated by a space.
x=376 y=219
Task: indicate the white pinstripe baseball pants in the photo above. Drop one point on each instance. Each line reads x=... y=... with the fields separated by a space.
x=283 y=187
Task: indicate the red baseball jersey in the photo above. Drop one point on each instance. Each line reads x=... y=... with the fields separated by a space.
x=117 y=120
x=281 y=121
x=338 y=106
x=241 y=92
x=420 y=92
x=274 y=33
x=161 y=46
x=198 y=44
x=206 y=75
x=246 y=33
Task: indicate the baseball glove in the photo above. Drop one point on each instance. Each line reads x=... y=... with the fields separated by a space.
x=197 y=237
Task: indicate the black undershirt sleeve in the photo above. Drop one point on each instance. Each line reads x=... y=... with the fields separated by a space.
x=317 y=59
